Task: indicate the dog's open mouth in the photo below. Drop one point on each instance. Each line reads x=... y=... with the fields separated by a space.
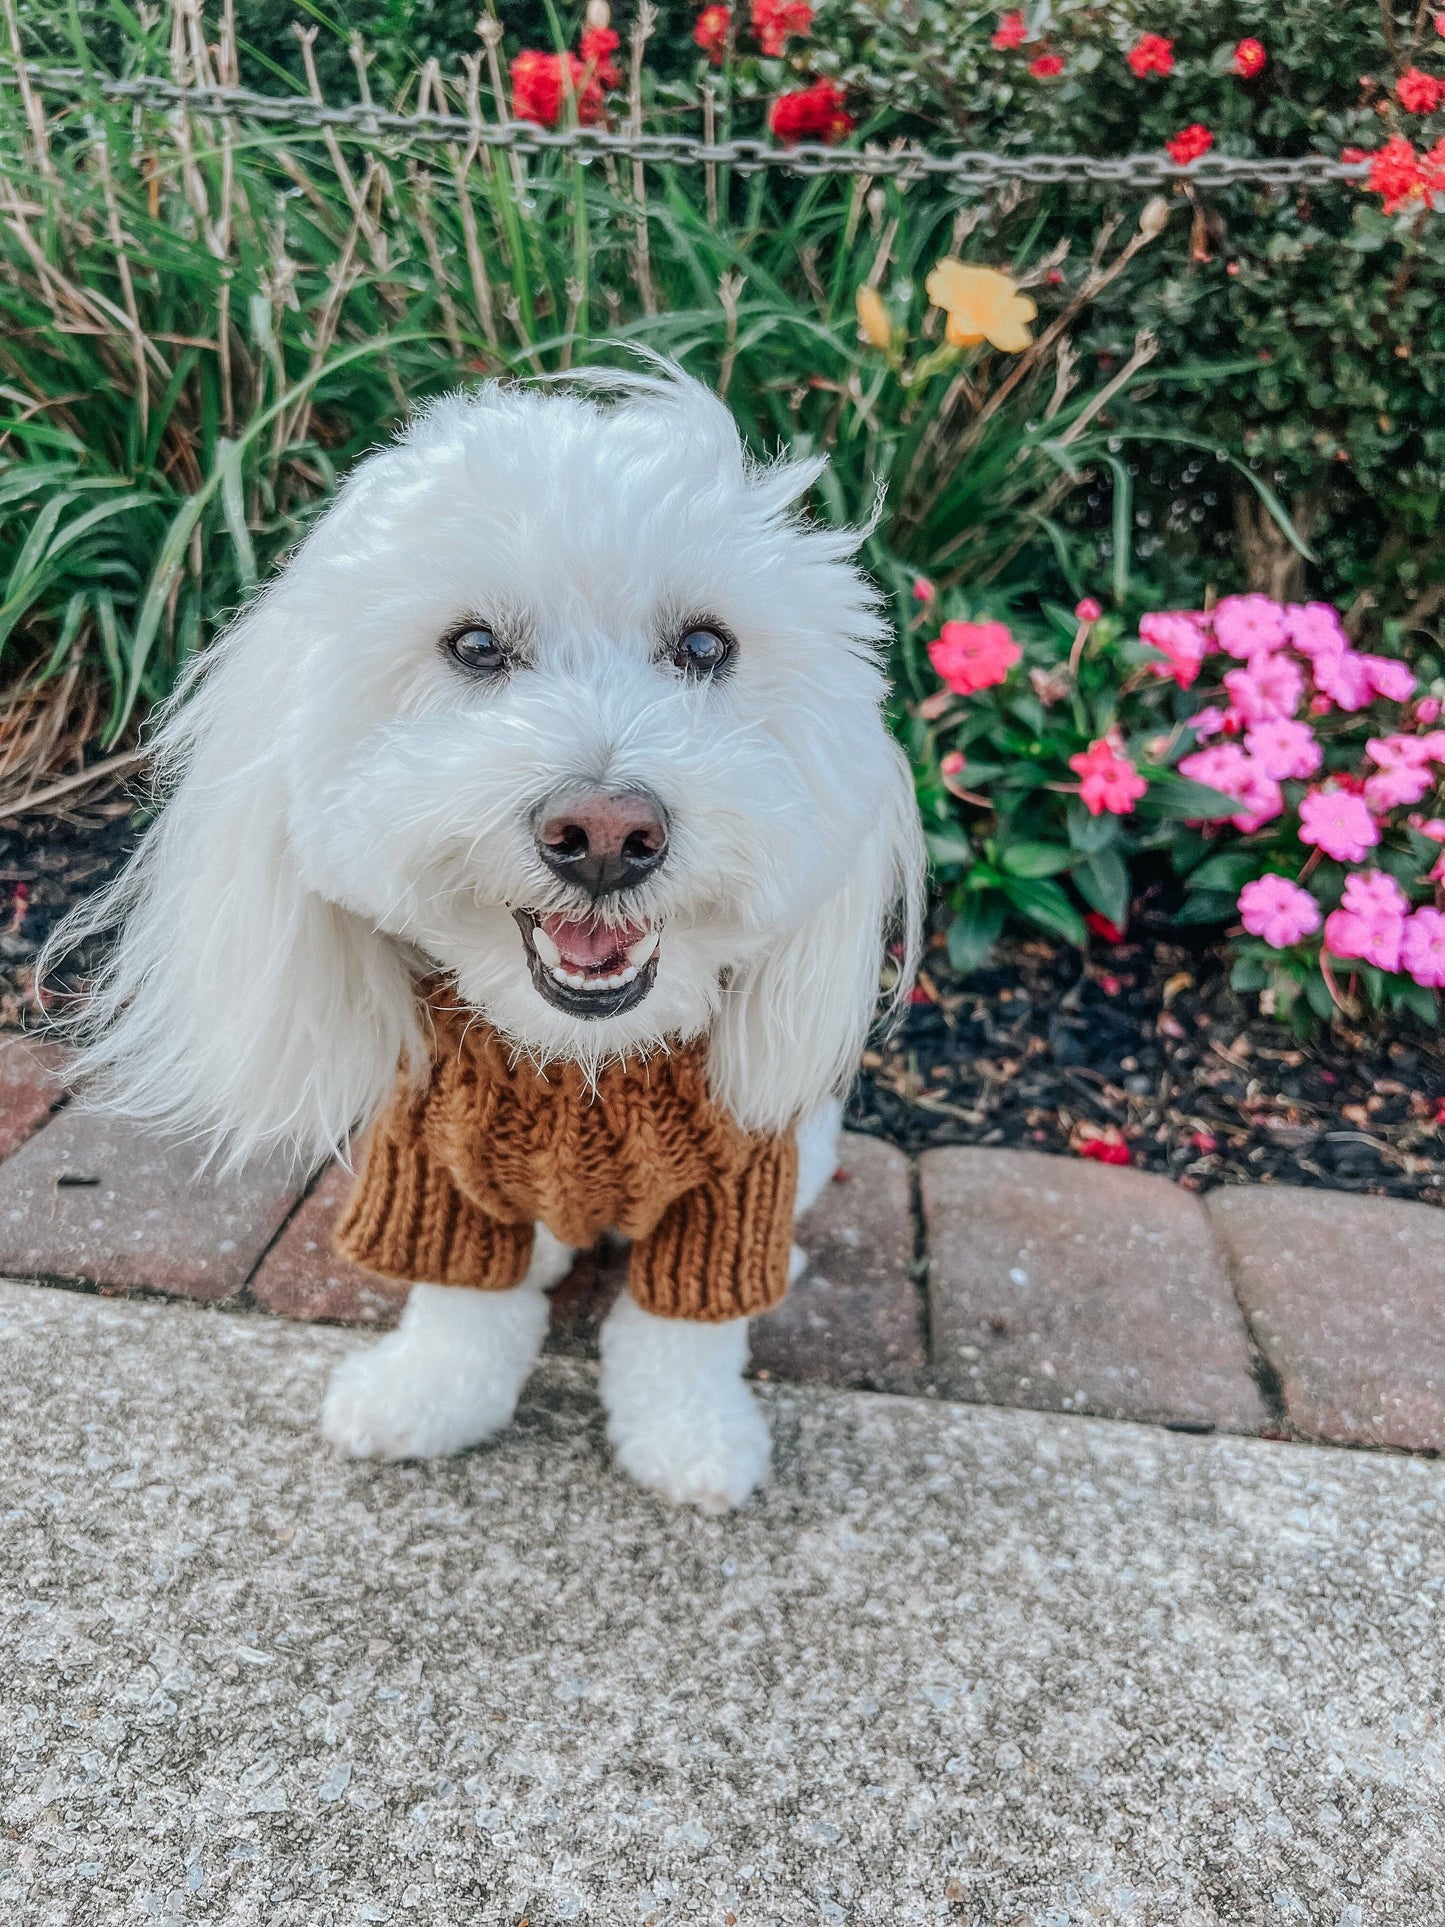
x=585 y=968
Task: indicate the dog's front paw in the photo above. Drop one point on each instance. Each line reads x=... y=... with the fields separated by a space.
x=679 y=1417
x=448 y=1379
x=713 y=1464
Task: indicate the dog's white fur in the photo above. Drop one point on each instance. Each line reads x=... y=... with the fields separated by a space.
x=346 y=808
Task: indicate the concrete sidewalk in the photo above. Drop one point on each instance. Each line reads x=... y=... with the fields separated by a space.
x=957 y=1665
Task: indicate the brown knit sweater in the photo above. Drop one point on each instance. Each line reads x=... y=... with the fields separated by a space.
x=454 y=1177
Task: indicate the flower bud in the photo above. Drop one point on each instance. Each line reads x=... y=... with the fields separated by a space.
x=1155 y=217
x=599 y=14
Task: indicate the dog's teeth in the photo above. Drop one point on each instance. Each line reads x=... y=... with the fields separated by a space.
x=545 y=948
x=639 y=952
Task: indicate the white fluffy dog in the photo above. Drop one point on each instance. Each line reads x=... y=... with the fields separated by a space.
x=534 y=593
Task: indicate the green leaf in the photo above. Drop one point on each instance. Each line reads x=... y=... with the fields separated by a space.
x=1230 y=870
x=1207 y=906
x=1036 y=859
x=1090 y=833
x=1103 y=883
x=943 y=848
x=1318 y=993
x=975 y=930
x=1045 y=904
x=1417 y=998
x=1249 y=973
x=1170 y=794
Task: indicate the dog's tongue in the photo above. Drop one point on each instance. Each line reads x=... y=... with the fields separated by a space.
x=587 y=945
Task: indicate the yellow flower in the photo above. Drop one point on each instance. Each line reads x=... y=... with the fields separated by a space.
x=982 y=305
x=874 y=320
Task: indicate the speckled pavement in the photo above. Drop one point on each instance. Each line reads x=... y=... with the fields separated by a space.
x=958 y=1665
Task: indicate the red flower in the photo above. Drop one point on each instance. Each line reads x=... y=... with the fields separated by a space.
x=710 y=32
x=969 y=656
x=1088 y=610
x=1189 y=143
x=1010 y=32
x=775 y=21
x=1105 y=1150
x=1432 y=168
x=815 y=113
x=1395 y=173
x=1101 y=927
x=1047 y=66
x=598 y=46
x=541 y=83
x=1249 y=59
x=1419 y=93
x=1151 y=54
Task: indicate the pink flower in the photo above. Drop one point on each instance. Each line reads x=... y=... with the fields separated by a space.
x=1284 y=748
x=1427 y=710
x=1109 y=780
x=1246 y=624
x=1399 y=751
x=1343 y=676
x=1389 y=788
x=1338 y=822
x=1180 y=639
x=1207 y=722
x=970 y=656
x=1431 y=826
x=1268 y=690
x=1373 y=940
x=952 y=763
x=1225 y=767
x=1314 y=628
x=1088 y=610
x=1279 y=911
x=923 y=589
x=1422 y=948
x=1374 y=893
x=1389 y=678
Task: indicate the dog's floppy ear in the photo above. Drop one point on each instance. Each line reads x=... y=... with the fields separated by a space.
x=792 y=1025
x=236 y=1005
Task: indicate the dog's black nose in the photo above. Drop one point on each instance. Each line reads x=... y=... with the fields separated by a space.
x=602 y=840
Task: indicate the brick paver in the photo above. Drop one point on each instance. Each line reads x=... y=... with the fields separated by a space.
x=1072 y=1287
x=94 y=1198
x=302 y=1276
x=30 y=1086
x=1347 y=1299
x=854 y=1317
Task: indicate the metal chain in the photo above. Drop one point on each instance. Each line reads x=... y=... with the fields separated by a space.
x=968 y=166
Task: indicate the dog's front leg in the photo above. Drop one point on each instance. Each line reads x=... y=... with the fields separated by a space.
x=679 y=1416
x=450 y=1375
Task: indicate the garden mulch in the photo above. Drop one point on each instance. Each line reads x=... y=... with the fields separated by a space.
x=1144 y=1045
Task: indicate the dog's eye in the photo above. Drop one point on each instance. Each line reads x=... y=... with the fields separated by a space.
x=477 y=649
x=702 y=652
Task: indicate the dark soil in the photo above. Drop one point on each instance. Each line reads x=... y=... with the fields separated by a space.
x=1140 y=1050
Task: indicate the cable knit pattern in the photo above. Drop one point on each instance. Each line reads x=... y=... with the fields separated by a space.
x=454 y=1177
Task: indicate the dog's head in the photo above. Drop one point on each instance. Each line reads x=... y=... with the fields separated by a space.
x=558 y=697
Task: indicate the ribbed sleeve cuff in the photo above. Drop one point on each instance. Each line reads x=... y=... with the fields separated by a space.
x=406 y=1219
x=722 y=1250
